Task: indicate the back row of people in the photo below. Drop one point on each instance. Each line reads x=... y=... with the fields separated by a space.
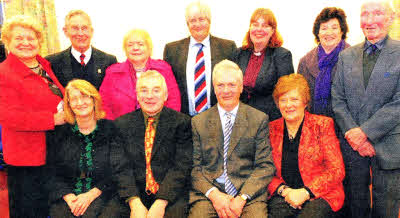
x=30 y=104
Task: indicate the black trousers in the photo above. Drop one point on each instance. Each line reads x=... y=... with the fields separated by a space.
x=319 y=208
x=100 y=207
x=26 y=192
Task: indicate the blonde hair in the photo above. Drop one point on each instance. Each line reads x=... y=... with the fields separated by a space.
x=22 y=21
x=291 y=82
x=86 y=88
x=74 y=13
x=152 y=74
x=226 y=65
x=141 y=33
x=203 y=8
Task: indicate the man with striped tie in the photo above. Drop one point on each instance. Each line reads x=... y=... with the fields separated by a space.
x=231 y=153
x=193 y=58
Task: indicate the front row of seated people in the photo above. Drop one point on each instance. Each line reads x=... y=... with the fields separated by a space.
x=140 y=165
x=233 y=166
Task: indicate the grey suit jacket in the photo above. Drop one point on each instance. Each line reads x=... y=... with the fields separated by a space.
x=62 y=68
x=375 y=108
x=250 y=165
x=176 y=54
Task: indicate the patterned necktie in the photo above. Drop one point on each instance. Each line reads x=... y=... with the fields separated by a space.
x=200 y=89
x=229 y=187
x=373 y=49
x=151 y=184
x=82 y=57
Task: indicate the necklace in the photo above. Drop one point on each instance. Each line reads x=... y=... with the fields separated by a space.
x=34 y=67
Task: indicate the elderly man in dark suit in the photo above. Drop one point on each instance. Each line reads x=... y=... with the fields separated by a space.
x=81 y=60
x=154 y=132
x=366 y=103
x=231 y=153
x=192 y=59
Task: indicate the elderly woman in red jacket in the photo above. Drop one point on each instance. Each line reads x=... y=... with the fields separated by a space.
x=30 y=104
x=307 y=156
x=118 y=89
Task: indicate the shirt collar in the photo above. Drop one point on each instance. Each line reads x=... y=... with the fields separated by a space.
x=222 y=111
x=146 y=116
x=77 y=54
x=379 y=45
x=205 y=42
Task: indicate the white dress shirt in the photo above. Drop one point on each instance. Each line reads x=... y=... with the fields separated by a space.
x=77 y=55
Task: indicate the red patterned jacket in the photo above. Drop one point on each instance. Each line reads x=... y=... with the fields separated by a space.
x=320 y=159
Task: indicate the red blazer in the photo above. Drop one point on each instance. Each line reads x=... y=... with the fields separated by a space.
x=320 y=159
x=27 y=107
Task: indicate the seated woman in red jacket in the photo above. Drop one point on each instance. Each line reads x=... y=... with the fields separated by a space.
x=307 y=156
x=118 y=89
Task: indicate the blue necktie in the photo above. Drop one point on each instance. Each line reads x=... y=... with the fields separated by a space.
x=229 y=187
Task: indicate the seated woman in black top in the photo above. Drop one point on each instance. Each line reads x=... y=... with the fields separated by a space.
x=83 y=157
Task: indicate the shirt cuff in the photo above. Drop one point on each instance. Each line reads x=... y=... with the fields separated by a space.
x=209 y=191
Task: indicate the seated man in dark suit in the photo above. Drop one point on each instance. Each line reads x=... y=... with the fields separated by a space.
x=193 y=58
x=231 y=153
x=81 y=60
x=165 y=136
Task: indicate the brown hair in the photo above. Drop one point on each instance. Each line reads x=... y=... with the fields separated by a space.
x=86 y=88
x=276 y=39
x=330 y=13
x=291 y=82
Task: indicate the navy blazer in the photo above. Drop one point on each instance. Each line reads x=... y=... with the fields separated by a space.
x=62 y=68
x=277 y=62
x=375 y=108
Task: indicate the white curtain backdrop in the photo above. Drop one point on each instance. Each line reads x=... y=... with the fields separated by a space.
x=165 y=21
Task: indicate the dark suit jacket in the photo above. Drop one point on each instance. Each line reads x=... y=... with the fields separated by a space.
x=171 y=158
x=375 y=108
x=61 y=66
x=250 y=165
x=176 y=54
x=277 y=62
x=64 y=149
x=320 y=159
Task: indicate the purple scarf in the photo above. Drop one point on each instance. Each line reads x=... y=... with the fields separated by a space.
x=322 y=90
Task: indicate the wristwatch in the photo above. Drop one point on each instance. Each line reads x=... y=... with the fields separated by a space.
x=244 y=197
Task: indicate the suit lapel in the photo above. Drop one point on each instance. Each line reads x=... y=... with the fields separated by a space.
x=379 y=70
x=264 y=68
x=162 y=130
x=215 y=130
x=183 y=50
x=305 y=138
x=67 y=66
x=357 y=75
x=239 y=127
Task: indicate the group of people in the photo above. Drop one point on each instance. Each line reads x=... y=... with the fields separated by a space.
x=210 y=131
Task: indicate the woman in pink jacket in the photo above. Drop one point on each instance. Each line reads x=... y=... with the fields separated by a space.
x=118 y=89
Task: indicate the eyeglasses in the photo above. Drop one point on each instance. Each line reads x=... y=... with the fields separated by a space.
x=81 y=98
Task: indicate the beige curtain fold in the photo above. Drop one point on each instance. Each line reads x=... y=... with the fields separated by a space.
x=44 y=12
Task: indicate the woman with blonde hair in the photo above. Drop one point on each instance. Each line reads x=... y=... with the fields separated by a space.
x=119 y=86
x=83 y=158
x=30 y=105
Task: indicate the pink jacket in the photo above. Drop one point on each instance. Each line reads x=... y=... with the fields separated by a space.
x=118 y=89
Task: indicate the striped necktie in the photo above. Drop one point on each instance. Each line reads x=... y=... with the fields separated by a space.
x=229 y=187
x=82 y=57
x=200 y=88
